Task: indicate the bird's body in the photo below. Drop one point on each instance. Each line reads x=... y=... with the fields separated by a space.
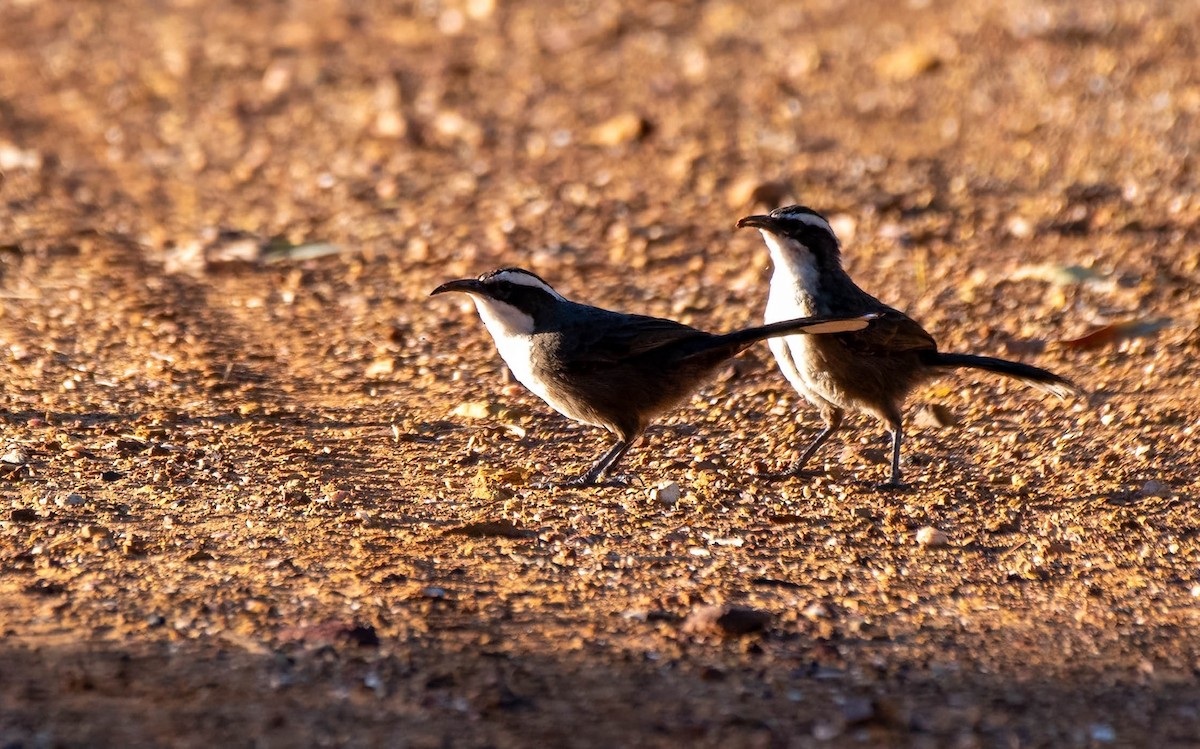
x=870 y=371
x=608 y=369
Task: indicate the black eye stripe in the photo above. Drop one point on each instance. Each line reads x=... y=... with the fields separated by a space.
x=510 y=290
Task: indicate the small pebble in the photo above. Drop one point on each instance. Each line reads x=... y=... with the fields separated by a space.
x=666 y=493
x=619 y=129
x=727 y=620
x=15 y=457
x=1102 y=733
x=932 y=537
x=816 y=611
x=1153 y=488
x=858 y=710
x=23 y=515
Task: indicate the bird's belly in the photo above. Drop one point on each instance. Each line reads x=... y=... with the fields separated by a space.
x=524 y=362
x=796 y=354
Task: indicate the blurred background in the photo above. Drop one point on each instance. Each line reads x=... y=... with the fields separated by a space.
x=466 y=132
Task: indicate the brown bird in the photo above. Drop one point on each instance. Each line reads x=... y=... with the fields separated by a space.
x=611 y=370
x=870 y=371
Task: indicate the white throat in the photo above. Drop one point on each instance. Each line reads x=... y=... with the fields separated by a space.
x=795 y=281
x=512 y=331
x=503 y=320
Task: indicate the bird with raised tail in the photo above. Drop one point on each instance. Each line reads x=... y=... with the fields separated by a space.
x=870 y=371
x=609 y=369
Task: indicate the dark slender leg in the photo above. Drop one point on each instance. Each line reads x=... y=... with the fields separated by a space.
x=600 y=474
x=897 y=430
x=601 y=467
x=833 y=420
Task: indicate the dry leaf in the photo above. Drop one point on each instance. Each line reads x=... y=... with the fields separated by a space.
x=1118 y=331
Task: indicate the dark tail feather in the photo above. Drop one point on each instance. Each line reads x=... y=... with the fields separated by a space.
x=809 y=325
x=1030 y=375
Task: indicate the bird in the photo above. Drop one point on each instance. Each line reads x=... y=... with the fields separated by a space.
x=604 y=368
x=870 y=371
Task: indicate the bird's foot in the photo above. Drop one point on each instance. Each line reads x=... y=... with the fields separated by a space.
x=622 y=479
x=894 y=486
x=588 y=480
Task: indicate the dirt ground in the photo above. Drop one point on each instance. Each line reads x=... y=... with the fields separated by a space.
x=257 y=489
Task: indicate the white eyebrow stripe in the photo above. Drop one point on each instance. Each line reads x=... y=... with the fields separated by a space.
x=524 y=279
x=811 y=219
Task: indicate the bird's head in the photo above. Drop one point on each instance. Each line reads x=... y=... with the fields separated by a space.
x=510 y=300
x=796 y=232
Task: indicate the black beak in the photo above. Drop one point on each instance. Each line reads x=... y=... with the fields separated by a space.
x=465 y=285
x=767 y=223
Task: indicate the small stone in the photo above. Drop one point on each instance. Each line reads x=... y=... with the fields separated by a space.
x=1153 y=488
x=935 y=416
x=666 y=493
x=380 y=368
x=15 y=457
x=857 y=710
x=906 y=63
x=13 y=158
x=750 y=191
x=622 y=128
x=95 y=531
x=478 y=10
x=727 y=620
x=111 y=475
x=476 y=410
x=452 y=126
x=390 y=123
x=1019 y=227
x=1102 y=733
x=932 y=537
x=815 y=611
x=844 y=225
x=74 y=500
x=23 y=515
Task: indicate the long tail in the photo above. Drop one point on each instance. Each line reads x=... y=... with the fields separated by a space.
x=1033 y=376
x=807 y=325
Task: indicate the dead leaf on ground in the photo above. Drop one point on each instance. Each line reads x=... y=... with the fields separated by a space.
x=1118 y=331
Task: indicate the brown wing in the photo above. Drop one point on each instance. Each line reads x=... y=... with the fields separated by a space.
x=619 y=339
x=891 y=333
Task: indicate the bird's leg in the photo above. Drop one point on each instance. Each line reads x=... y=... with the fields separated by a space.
x=833 y=420
x=600 y=469
x=895 y=427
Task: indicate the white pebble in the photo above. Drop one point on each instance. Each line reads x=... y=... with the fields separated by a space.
x=932 y=537
x=666 y=493
x=1102 y=733
x=15 y=457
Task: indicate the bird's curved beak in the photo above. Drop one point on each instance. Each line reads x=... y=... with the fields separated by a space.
x=766 y=223
x=465 y=285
